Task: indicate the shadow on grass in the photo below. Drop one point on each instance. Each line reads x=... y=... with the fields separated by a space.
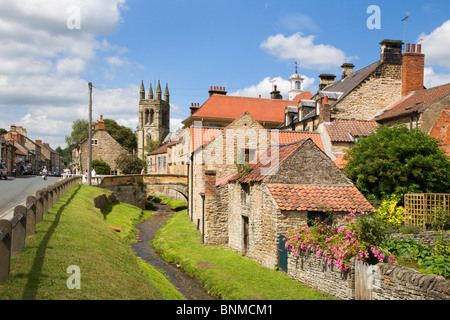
x=35 y=274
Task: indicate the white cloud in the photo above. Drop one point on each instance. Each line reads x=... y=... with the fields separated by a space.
x=265 y=87
x=432 y=79
x=303 y=49
x=43 y=62
x=436 y=45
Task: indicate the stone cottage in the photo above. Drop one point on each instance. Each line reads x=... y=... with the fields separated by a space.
x=221 y=149
x=104 y=147
x=251 y=211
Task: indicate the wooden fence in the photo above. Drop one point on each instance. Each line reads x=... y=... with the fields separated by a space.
x=13 y=232
x=423 y=208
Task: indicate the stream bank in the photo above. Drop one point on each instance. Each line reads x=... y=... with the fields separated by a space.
x=191 y=288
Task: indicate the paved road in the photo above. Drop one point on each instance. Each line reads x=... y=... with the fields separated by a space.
x=15 y=191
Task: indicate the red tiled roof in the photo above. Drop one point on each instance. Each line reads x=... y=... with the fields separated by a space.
x=304 y=96
x=161 y=149
x=266 y=163
x=232 y=107
x=441 y=130
x=296 y=197
x=416 y=101
x=340 y=161
x=343 y=130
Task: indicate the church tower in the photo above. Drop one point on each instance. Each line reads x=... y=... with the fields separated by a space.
x=295 y=84
x=154 y=117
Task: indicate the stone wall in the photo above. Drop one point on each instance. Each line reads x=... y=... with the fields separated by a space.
x=382 y=88
x=316 y=273
x=389 y=282
x=427 y=238
x=401 y=283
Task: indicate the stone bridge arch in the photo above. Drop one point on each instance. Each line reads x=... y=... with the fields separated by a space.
x=136 y=188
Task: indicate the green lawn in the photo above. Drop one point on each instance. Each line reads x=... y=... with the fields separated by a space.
x=74 y=232
x=225 y=273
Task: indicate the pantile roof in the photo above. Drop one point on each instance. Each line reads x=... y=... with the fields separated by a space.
x=220 y=106
x=315 y=198
x=340 y=161
x=306 y=95
x=160 y=150
x=416 y=101
x=346 y=130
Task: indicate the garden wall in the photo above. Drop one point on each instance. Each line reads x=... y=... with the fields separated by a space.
x=427 y=238
x=388 y=282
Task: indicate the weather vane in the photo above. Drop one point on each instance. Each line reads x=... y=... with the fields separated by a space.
x=296 y=66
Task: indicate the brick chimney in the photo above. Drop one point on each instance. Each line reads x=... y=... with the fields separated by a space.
x=100 y=124
x=217 y=90
x=413 y=62
x=391 y=51
x=347 y=69
x=324 y=111
x=210 y=183
x=39 y=142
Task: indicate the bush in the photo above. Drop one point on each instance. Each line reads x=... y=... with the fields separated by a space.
x=390 y=213
x=101 y=167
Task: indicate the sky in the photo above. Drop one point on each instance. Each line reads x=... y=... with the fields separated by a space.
x=51 y=49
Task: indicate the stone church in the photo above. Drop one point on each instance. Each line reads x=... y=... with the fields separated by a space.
x=154 y=117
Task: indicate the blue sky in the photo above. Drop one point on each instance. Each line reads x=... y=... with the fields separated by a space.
x=51 y=49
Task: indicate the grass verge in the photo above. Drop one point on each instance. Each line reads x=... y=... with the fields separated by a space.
x=226 y=274
x=75 y=233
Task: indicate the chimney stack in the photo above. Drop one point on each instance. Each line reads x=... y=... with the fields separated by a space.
x=325 y=80
x=391 y=51
x=100 y=124
x=413 y=65
x=347 y=69
x=324 y=111
x=275 y=94
x=39 y=142
x=194 y=108
x=217 y=90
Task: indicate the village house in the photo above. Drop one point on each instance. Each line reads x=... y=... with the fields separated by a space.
x=252 y=211
x=224 y=150
x=26 y=147
x=104 y=148
x=52 y=158
x=441 y=130
x=7 y=154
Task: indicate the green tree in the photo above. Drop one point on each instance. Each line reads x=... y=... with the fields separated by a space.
x=101 y=167
x=80 y=131
x=123 y=135
x=396 y=160
x=3 y=131
x=152 y=145
x=66 y=155
x=130 y=163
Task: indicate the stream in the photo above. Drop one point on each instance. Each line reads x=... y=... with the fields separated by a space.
x=191 y=288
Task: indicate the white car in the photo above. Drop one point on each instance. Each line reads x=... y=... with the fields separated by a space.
x=3 y=173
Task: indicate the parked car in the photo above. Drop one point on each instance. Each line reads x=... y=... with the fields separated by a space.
x=3 y=172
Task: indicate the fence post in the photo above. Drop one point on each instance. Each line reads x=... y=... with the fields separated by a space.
x=31 y=215
x=19 y=227
x=5 y=249
x=44 y=201
x=48 y=190
x=39 y=206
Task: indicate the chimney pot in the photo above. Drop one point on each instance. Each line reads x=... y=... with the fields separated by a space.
x=407 y=47
x=325 y=100
x=419 y=48
x=413 y=48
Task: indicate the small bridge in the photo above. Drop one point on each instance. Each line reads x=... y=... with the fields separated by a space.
x=136 y=188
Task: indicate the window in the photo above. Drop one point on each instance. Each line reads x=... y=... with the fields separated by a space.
x=164 y=162
x=159 y=162
x=151 y=162
x=298 y=85
x=245 y=195
x=313 y=215
x=94 y=142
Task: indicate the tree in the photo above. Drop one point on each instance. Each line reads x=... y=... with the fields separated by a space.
x=3 y=131
x=66 y=155
x=123 y=135
x=130 y=163
x=101 y=167
x=396 y=160
x=152 y=145
x=80 y=131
